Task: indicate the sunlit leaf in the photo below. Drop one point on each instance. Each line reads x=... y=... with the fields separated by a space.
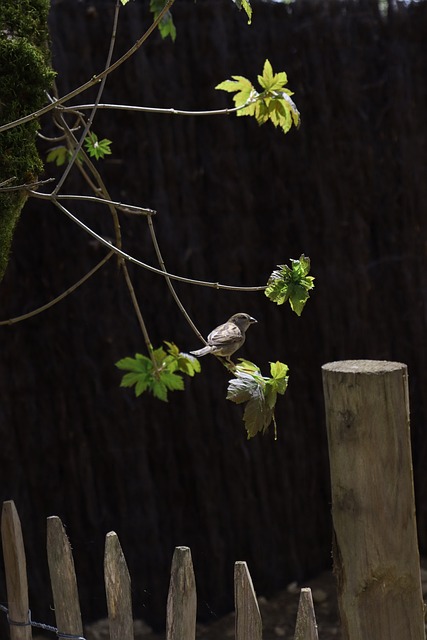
x=159 y=373
x=273 y=103
x=291 y=284
x=246 y=6
x=258 y=392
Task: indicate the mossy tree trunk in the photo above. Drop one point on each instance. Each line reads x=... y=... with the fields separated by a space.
x=25 y=76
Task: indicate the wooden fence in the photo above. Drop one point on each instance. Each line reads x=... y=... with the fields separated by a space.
x=376 y=558
x=181 y=601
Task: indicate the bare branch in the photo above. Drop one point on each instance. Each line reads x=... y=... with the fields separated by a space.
x=125 y=208
x=28 y=187
x=169 y=282
x=98 y=98
x=126 y=256
x=160 y=110
x=63 y=295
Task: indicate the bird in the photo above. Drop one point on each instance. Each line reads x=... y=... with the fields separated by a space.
x=225 y=339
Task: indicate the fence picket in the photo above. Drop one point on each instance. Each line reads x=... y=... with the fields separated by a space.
x=118 y=590
x=306 y=627
x=182 y=600
x=16 y=572
x=248 y=624
x=63 y=579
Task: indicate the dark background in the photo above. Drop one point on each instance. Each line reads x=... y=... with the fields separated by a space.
x=233 y=200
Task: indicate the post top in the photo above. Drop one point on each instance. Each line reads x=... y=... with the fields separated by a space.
x=364 y=366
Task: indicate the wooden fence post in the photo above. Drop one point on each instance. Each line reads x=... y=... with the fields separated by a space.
x=306 y=626
x=248 y=618
x=16 y=573
x=376 y=556
x=182 y=601
x=118 y=590
x=63 y=579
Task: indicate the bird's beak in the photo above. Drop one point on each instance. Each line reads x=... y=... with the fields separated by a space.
x=252 y=320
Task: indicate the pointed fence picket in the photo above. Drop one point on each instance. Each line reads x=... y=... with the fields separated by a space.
x=117 y=590
x=181 y=603
x=16 y=573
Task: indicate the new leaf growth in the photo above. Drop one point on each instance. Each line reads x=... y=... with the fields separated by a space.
x=273 y=103
x=291 y=284
x=160 y=373
x=258 y=392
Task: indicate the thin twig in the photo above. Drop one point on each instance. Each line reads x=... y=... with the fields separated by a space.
x=94 y=108
x=161 y=110
x=63 y=295
x=169 y=282
x=129 y=258
x=101 y=188
x=27 y=187
x=139 y=316
x=125 y=208
x=95 y=79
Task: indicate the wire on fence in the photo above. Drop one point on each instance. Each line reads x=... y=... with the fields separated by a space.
x=39 y=625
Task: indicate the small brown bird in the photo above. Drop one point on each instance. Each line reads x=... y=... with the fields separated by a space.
x=228 y=337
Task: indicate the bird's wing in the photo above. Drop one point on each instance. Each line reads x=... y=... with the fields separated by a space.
x=225 y=334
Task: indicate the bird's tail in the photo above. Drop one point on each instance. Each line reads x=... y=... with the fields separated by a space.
x=201 y=352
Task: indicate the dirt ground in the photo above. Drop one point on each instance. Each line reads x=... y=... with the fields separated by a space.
x=278 y=615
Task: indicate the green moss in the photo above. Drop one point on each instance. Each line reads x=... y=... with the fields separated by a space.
x=25 y=76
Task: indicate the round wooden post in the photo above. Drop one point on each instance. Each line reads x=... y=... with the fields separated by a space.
x=376 y=558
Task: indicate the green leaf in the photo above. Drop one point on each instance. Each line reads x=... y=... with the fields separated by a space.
x=267 y=78
x=246 y=6
x=165 y=376
x=273 y=103
x=258 y=392
x=58 y=155
x=256 y=415
x=244 y=92
x=139 y=364
x=124 y=2
x=188 y=364
x=159 y=390
x=291 y=284
x=246 y=366
x=278 y=370
x=166 y=24
x=172 y=381
x=185 y=362
x=141 y=385
x=130 y=379
x=97 y=149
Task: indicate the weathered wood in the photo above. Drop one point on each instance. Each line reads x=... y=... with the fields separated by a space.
x=16 y=572
x=182 y=600
x=63 y=579
x=118 y=590
x=375 y=551
x=306 y=627
x=248 y=623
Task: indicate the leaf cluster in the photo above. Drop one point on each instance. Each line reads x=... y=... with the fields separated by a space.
x=291 y=284
x=160 y=373
x=258 y=392
x=166 y=24
x=95 y=148
x=273 y=103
